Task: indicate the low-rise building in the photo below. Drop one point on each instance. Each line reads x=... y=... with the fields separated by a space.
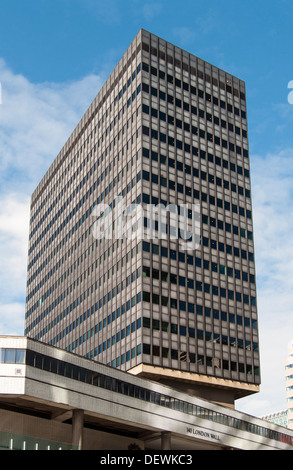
x=54 y=399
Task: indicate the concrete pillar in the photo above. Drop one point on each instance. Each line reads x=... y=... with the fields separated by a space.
x=165 y=441
x=77 y=428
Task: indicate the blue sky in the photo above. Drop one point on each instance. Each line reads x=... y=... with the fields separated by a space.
x=55 y=56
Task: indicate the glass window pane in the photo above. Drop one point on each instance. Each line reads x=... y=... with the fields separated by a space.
x=20 y=356
x=2 y=355
x=10 y=356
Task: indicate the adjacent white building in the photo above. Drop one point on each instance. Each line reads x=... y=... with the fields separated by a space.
x=289 y=384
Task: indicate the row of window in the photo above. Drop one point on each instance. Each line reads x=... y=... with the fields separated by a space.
x=203 y=175
x=185 y=106
x=188 y=148
x=195 y=152
x=207 y=336
x=192 y=70
x=196 y=194
x=189 y=307
x=187 y=127
x=178 y=232
x=212 y=221
x=175 y=279
x=12 y=356
x=190 y=259
x=199 y=359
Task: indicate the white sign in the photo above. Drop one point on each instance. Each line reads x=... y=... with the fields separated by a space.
x=205 y=434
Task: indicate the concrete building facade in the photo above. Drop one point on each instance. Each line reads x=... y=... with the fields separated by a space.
x=168 y=129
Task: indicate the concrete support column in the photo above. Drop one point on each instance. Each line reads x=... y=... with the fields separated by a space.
x=77 y=428
x=165 y=441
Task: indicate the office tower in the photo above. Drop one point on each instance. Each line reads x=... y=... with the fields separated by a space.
x=166 y=128
x=289 y=384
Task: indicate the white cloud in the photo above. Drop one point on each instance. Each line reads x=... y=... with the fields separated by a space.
x=12 y=318
x=14 y=223
x=273 y=221
x=35 y=122
x=272 y=185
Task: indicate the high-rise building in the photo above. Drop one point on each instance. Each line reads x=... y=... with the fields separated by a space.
x=168 y=129
x=289 y=384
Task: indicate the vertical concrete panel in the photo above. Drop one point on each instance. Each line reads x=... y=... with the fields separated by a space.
x=77 y=428
x=166 y=441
